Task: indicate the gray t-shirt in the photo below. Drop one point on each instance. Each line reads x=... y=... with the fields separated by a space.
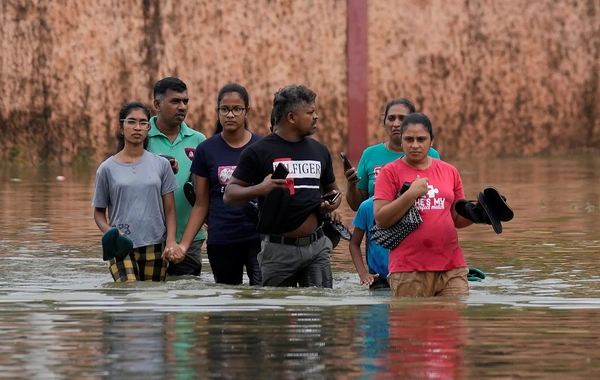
x=133 y=195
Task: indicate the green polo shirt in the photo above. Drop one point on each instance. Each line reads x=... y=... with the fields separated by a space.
x=182 y=149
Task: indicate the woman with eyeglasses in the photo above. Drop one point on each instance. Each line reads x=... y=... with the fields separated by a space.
x=136 y=187
x=232 y=242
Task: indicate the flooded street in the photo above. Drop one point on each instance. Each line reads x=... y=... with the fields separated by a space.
x=534 y=316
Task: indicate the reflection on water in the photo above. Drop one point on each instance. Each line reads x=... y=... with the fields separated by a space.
x=534 y=316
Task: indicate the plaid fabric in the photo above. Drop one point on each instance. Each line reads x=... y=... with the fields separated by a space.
x=142 y=264
x=389 y=238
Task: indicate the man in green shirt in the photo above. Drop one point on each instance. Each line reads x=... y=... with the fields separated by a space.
x=169 y=135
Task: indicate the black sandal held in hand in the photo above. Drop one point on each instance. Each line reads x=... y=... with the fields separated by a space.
x=491 y=208
x=490 y=211
x=498 y=203
x=472 y=211
x=335 y=231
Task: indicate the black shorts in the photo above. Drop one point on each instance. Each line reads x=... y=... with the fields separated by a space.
x=379 y=284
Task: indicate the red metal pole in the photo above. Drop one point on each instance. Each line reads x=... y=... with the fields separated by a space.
x=358 y=61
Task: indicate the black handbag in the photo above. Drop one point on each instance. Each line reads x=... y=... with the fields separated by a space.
x=389 y=238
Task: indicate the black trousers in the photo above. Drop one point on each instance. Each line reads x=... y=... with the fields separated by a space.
x=227 y=262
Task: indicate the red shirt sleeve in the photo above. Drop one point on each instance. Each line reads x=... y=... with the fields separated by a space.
x=386 y=187
x=459 y=193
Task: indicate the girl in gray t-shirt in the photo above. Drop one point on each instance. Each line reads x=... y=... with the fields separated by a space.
x=136 y=187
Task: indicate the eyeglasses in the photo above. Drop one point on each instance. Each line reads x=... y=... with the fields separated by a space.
x=224 y=111
x=131 y=123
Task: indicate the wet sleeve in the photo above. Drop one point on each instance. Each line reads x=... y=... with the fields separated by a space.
x=459 y=192
x=101 y=190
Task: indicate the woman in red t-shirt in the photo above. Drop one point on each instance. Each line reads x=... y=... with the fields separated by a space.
x=429 y=261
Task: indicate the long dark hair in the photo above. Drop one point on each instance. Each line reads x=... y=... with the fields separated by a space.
x=238 y=89
x=123 y=113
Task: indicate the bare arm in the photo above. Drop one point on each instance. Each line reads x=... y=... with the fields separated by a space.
x=170 y=218
x=172 y=251
x=354 y=195
x=100 y=219
x=198 y=213
x=388 y=213
x=354 y=246
x=238 y=193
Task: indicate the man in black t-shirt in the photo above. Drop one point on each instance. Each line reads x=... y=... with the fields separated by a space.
x=294 y=248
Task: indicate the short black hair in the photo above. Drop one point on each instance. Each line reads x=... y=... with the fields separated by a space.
x=417 y=118
x=169 y=83
x=289 y=99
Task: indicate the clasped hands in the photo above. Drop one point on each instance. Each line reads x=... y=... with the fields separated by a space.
x=173 y=253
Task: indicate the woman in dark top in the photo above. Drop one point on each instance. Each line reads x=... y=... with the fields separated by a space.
x=233 y=242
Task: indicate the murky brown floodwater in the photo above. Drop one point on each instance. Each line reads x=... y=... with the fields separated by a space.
x=535 y=315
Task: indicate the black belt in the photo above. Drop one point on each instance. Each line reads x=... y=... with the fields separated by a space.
x=299 y=242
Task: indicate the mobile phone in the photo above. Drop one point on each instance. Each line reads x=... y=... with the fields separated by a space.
x=280 y=172
x=167 y=156
x=347 y=164
x=405 y=187
x=331 y=198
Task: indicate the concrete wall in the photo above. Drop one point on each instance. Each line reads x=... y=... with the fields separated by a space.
x=497 y=78
x=68 y=66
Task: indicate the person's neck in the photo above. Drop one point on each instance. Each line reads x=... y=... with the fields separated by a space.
x=169 y=130
x=131 y=153
x=392 y=147
x=418 y=165
x=287 y=135
x=236 y=139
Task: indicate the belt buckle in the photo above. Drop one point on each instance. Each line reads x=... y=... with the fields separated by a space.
x=303 y=241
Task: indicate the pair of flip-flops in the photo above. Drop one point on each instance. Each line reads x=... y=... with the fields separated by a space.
x=335 y=231
x=475 y=274
x=490 y=208
x=115 y=245
x=343 y=230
